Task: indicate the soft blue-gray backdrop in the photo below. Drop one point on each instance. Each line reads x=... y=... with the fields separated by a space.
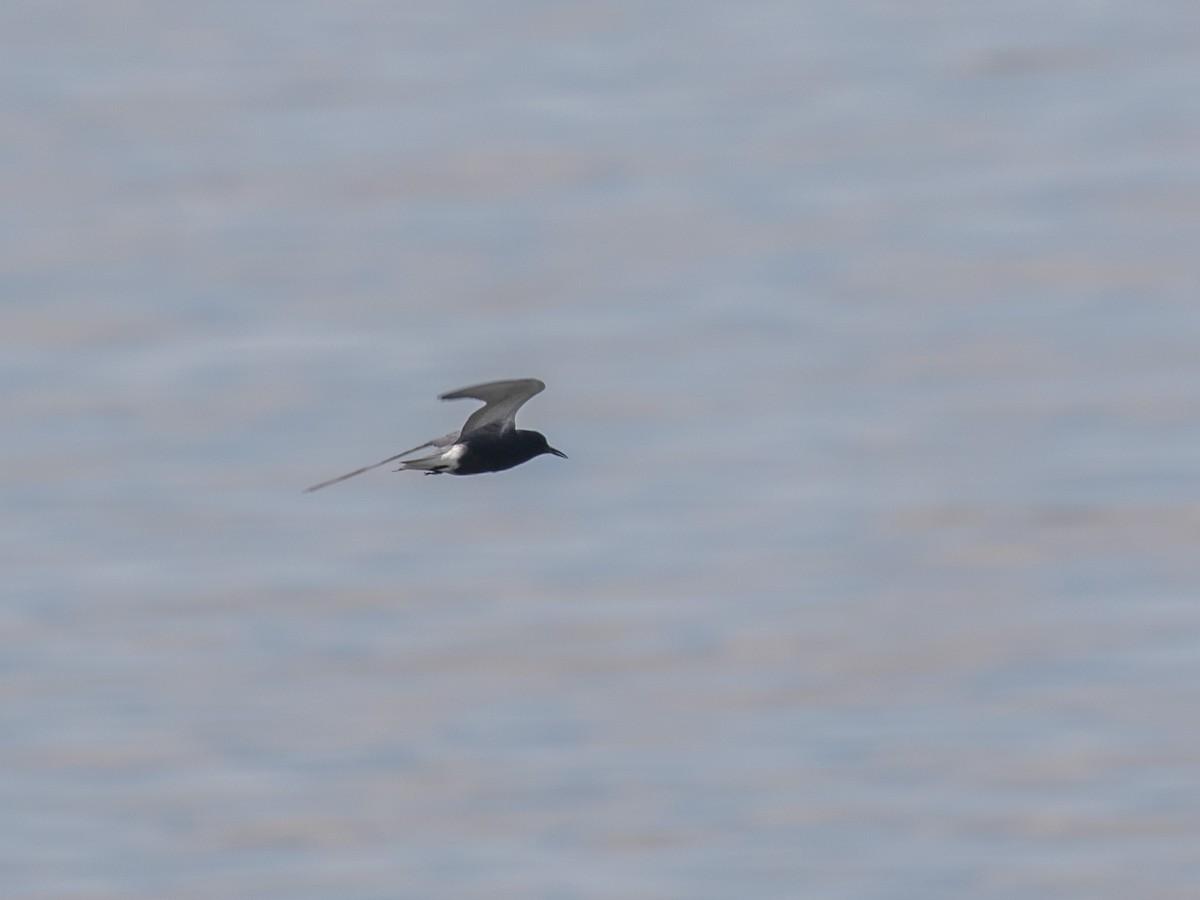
x=872 y=331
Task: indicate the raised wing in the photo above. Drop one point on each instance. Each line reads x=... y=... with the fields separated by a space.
x=503 y=399
x=444 y=441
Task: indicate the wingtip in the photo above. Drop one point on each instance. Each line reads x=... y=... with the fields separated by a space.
x=471 y=391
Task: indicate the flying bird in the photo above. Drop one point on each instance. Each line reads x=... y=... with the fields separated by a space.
x=489 y=440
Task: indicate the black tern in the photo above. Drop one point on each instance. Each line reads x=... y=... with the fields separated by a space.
x=489 y=440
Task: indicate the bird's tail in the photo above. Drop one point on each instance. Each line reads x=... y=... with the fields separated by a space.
x=430 y=464
x=444 y=441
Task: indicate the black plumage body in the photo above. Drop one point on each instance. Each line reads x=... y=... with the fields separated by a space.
x=493 y=449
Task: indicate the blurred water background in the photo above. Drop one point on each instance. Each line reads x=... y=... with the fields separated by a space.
x=870 y=329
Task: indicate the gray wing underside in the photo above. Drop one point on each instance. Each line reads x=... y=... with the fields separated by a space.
x=440 y=443
x=502 y=399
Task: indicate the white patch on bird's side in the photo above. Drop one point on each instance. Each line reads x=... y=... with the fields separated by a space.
x=452 y=455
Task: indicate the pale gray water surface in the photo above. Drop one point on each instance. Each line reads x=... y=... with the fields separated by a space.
x=871 y=330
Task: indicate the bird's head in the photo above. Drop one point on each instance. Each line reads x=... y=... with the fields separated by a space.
x=541 y=445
